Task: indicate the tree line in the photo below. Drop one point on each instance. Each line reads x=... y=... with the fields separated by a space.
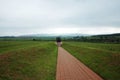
x=112 y=38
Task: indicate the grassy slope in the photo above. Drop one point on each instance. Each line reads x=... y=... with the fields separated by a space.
x=104 y=59
x=36 y=62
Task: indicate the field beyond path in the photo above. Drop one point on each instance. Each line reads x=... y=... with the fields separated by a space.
x=27 y=60
x=69 y=68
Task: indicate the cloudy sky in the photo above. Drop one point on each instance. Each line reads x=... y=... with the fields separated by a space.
x=19 y=17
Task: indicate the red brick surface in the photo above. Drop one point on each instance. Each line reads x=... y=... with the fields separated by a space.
x=69 y=68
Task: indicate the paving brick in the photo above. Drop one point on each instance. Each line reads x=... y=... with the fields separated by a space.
x=69 y=68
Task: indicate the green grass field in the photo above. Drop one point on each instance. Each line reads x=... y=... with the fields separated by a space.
x=27 y=60
x=37 y=60
x=104 y=59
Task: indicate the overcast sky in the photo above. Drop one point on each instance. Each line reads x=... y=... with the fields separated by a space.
x=19 y=17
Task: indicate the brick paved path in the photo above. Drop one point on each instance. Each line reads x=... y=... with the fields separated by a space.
x=69 y=68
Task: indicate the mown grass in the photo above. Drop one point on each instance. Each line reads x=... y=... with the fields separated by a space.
x=29 y=61
x=6 y=46
x=104 y=59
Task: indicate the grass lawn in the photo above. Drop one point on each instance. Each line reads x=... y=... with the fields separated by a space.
x=6 y=46
x=27 y=60
x=104 y=59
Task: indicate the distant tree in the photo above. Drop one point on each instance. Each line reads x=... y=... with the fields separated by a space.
x=34 y=39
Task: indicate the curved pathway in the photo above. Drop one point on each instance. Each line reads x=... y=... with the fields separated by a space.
x=69 y=68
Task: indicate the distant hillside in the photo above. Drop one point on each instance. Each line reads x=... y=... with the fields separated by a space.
x=40 y=36
x=53 y=35
x=116 y=34
x=111 y=38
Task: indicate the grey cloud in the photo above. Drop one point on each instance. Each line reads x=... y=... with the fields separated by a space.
x=102 y=13
x=39 y=15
